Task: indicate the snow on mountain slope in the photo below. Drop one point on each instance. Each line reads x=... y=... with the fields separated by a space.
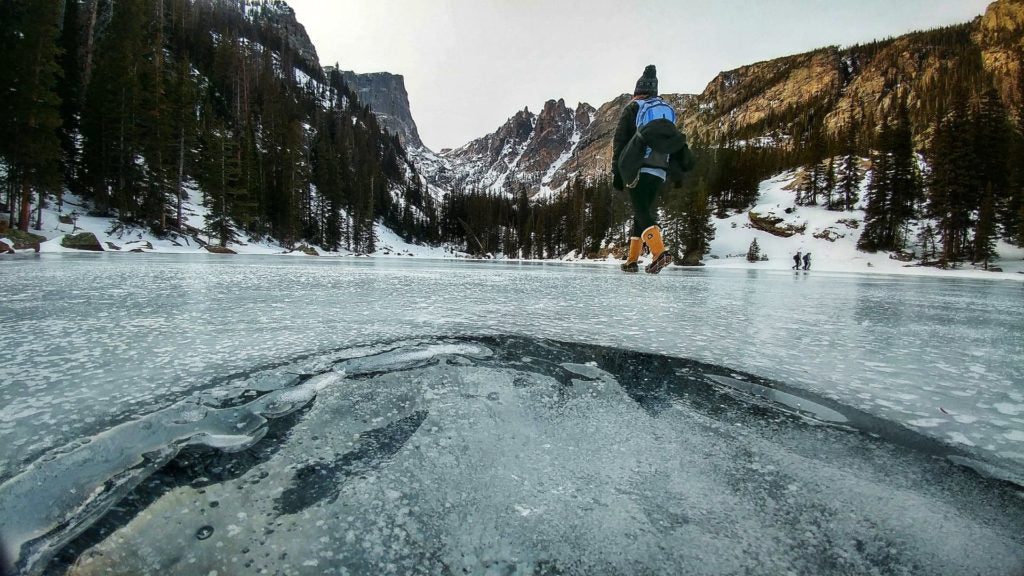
x=548 y=188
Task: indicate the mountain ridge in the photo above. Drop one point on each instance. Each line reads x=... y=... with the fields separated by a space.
x=766 y=102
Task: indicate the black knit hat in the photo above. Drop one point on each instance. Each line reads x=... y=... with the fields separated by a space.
x=648 y=83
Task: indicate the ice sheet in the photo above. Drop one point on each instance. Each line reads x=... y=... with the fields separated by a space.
x=94 y=342
x=513 y=455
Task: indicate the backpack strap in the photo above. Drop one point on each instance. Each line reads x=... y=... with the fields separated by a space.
x=645 y=114
x=645 y=106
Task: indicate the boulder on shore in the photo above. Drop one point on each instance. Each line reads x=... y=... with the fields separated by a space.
x=84 y=241
x=21 y=240
x=219 y=249
x=774 y=225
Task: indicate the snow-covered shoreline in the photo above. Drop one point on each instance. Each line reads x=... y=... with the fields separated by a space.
x=830 y=237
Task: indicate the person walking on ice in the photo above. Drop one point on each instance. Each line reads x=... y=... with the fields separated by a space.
x=647 y=150
x=796 y=260
x=807 y=261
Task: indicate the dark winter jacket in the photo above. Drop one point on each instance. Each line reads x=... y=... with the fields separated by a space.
x=628 y=152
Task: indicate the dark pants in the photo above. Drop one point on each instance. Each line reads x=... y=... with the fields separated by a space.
x=643 y=197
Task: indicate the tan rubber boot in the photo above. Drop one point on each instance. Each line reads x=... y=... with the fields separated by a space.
x=631 y=266
x=660 y=257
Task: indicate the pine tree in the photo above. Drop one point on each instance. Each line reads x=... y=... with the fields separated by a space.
x=754 y=252
x=927 y=239
x=156 y=126
x=994 y=137
x=1011 y=212
x=698 y=229
x=952 y=183
x=985 y=230
x=851 y=178
x=70 y=91
x=829 y=184
x=905 y=191
x=990 y=137
x=327 y=175
x=112 y=138
x=1020 y=230
x=221 y=180
x=182 y=98
x=876 y=211
x=895 y=187
x=524 y=221
x=817 y=147
x=29 y=103
x=849 y=183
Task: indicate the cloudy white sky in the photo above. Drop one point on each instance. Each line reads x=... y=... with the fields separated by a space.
x=471 y=64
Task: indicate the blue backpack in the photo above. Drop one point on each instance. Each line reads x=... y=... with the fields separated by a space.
x=650 y=110
x=654 y=109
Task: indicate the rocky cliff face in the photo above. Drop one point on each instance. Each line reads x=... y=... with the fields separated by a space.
x=279 y=16
x=386 y=95
x=763 y=99
x=1000 y=34
x=747 y=96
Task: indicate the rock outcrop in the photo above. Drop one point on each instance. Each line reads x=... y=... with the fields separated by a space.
x=387 y=97
x=17 y=240
x=280 y=17
x=86 y=241
x=762 y=101
x=1000 y=34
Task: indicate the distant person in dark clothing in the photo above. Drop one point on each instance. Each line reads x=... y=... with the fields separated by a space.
x=796 y=260
x=807 y=261
x=647 y=150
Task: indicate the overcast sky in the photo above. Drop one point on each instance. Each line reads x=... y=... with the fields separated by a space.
x=471 y=64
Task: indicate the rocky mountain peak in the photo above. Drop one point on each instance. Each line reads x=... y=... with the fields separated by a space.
x=528 y=149
x=584 y=113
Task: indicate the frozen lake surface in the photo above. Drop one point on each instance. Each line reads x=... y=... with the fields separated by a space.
x=192 y=414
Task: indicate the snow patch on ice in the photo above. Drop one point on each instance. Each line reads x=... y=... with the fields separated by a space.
x=960 y=438
x=927 y=422
x=1009 y=409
